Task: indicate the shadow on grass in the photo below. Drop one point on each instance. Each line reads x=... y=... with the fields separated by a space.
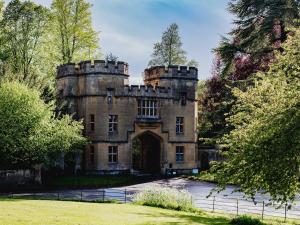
x=188 y=218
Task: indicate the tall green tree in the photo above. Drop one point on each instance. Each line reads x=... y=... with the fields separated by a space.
x=263 y=149
x=29 y=133
x=22 y=30
x=261 y=28
x=169 y=51
x=75 y=37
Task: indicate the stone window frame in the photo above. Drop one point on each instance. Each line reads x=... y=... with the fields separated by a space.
x=92 y=122
x=179 y=154
x=179 y=125
x=148 y=108
x=113 y=124
x=112 y=154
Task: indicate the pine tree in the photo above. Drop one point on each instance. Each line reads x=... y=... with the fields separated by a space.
x=169 y=51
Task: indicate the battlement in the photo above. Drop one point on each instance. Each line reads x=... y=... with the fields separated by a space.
x=171 y=71
x=93 y=67
x=147 y=91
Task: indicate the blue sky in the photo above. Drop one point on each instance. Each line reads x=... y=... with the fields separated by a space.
x=129 y=28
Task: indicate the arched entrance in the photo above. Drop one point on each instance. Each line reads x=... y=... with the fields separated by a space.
x=146 y=153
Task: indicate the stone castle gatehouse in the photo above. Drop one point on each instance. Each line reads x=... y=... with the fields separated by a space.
x=149 y=128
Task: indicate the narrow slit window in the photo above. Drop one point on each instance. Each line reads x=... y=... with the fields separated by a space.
x=92 y=154
x=92 y=122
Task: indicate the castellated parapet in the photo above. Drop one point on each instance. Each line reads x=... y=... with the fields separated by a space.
x=173 y=71
x=93 y=67
x=147 y=91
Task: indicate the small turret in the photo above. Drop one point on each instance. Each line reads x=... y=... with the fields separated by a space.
x=181 y=79
x=179 y=72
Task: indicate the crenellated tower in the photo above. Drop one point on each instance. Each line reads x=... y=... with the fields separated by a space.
x=182 y=80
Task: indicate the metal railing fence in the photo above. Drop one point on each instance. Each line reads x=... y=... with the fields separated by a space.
x=241 y=206
x=237 y=206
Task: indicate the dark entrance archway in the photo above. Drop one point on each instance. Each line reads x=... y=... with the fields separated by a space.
x=146 y=150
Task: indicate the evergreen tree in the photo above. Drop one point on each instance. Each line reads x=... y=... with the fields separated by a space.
x=261 y=28
x=169 y=51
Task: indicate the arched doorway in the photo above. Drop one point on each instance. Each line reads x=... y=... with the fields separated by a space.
x=146 y=151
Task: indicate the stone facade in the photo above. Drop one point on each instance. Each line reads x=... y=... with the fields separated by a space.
x=150 y=128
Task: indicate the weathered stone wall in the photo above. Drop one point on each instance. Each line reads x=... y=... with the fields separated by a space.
x=85 y=86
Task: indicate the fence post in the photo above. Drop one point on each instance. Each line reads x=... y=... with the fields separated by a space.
x=214 y=200
x=263 y=210
x=285 y=212
x=191 y=200
x=237 y=207
x=103 y=195
x=81 y=195
x=57 y=195
x=125 y=193
x=12 y=195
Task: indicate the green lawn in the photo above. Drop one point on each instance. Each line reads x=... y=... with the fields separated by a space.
x=42 y=212
x=36 y=212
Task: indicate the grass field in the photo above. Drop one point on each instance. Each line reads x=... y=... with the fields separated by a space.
x=42 y=212
x=35 y=212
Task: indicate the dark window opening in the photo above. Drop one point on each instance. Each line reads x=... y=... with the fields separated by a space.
x=183 y=96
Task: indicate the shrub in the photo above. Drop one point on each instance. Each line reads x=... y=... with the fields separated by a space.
x=164 y=197
x=246 y=220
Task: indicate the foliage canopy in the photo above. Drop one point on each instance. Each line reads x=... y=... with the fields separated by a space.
x=29 y=133
x=263 y=149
